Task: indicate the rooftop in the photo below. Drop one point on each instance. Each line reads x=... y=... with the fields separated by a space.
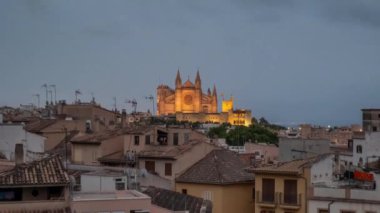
x=218 y=167
x=166 y=151
x=293 y=167
x=48 y=171
x=117 y=195
x=176 y=201
x=39 y=125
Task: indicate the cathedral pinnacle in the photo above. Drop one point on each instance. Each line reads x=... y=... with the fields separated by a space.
x=214 y=91
x=178 y=81
x=198 y=80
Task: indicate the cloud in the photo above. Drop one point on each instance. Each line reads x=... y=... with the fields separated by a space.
x=362 y=12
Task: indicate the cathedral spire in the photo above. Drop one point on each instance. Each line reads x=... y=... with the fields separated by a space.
x=198 y=80
x=214 y=91
x=178 y=81
x=209 y=92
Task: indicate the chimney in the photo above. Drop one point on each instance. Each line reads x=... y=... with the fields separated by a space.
x=123 y=117
x=19 y=153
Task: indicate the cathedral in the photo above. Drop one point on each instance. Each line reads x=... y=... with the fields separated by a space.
x=187 y=102
x=187 y=97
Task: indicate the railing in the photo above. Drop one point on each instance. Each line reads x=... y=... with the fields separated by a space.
x=266 y=200
x=289 y=199
x=280 y=199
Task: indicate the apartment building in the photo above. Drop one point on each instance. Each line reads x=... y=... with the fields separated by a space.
x=220 y=178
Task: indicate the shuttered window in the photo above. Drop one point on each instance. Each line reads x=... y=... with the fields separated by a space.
x=268 y=190
x=168 y=169
x=150 y=166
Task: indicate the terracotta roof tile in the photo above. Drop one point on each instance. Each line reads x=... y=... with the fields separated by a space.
x=176 y=201
x=290 y=167
x=218 y=167
x=46 y=171
x=39 y=125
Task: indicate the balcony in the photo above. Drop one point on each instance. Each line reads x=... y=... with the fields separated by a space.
x=265 y=200
x=271 y=200
x=289 y=201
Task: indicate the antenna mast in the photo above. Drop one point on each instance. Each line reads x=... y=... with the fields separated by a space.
x=133 y=102
x=46 y=90
x=151 y=98
x=38 y=99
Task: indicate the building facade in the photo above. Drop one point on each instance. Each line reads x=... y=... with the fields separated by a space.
x=187 y=102
x=187 y=98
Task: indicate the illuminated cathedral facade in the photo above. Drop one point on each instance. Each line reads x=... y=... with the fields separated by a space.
x=187 y=102
x=187 y=97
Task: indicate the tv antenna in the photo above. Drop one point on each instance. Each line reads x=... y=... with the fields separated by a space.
x=46 y=90
x=133 y=102
x=151 y=98
x=77 y=92
x=55 y=92
x=38 y=99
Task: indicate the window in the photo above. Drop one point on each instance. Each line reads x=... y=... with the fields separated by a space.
x=207 y=195
x=56 y=192
x=184 y=191
x=374 y=128
x=168 y=169
x=147 y=139
x=150 y=166
x=323 y=211
x=359 y=149
x=137 y=140
x=175 y=138
x=119 y=184
x=346 y=211
x=290 y=192
x=268 y=190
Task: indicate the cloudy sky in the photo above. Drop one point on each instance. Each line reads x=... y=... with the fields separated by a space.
x=291 y=61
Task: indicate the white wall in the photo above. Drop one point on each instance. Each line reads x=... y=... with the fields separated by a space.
x=371 y=147
x=322 y=171
x=338 y=206
x=92 y=183
x=10 y=134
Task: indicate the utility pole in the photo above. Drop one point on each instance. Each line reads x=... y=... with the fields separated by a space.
x=151 y=98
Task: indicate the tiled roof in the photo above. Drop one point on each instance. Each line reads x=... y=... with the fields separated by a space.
x=115 y=157
x=39 y=125
x=168 y=152
x=107 y=134
x=176 y=201
x=217 y=167
x=291 y=167
x=46 y=171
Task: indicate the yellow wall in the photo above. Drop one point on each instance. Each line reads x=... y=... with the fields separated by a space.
x=225 y=198
x=279 y=188
x=227 y=105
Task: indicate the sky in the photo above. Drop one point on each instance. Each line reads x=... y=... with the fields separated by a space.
x=290 y=61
